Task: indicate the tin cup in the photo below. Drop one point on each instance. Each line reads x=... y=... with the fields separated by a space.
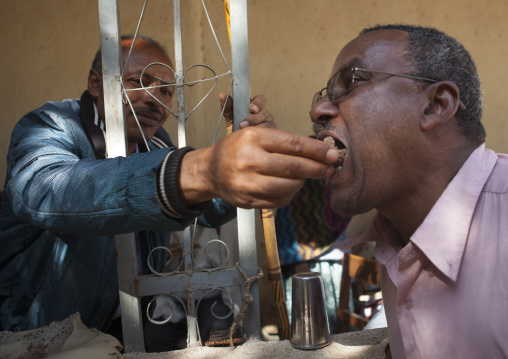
x=309 y=320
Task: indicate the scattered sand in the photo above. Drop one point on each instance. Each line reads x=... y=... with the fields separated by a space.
x=365 y=344
x=71 y=339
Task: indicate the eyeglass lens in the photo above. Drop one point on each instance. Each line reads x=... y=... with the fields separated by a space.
x=340 y=84
x=337 y=86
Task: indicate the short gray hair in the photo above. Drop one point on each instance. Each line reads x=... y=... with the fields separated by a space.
x=436 y=55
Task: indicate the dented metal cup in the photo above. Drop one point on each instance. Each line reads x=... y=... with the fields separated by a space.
x=309 y=319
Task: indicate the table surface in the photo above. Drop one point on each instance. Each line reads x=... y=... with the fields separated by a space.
x=71 y=339
x=354 y=345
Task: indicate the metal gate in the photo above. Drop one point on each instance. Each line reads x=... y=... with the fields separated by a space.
x=189 y=282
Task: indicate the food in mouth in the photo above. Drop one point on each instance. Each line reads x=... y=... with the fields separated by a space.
x=342 y=152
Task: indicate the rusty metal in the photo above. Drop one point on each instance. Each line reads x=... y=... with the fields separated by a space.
x=189 y=281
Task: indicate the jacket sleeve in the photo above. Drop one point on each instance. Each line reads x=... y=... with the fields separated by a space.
x=55 y=182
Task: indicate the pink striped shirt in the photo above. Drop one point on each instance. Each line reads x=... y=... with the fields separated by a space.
x=446 y=292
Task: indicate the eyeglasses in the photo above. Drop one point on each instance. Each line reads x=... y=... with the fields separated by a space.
x=344 y=81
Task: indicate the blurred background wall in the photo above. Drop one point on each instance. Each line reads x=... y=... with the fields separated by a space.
x=48 y=47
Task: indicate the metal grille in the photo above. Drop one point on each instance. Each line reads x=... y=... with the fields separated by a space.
x=185 y=282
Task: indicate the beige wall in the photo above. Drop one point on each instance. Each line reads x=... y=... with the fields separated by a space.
x=48 y=47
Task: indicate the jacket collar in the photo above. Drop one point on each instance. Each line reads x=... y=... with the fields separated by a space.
x=95 y=129
x=93 y=126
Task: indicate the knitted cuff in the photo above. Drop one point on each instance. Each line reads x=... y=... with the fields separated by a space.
x=168 y=188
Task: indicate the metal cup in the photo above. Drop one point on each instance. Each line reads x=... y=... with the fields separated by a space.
x=309 y=320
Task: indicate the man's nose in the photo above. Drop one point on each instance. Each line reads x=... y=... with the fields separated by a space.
x=152 y=94
x=323 y=111
x=153 y=91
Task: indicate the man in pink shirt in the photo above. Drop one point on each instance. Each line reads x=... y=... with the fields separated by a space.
x=405 y=103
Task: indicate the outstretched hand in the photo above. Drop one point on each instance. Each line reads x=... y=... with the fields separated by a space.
x=254 y=168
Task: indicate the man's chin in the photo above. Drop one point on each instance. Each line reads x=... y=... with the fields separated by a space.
x=138 y=139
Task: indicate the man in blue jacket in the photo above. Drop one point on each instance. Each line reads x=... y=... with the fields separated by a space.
x=64 y=200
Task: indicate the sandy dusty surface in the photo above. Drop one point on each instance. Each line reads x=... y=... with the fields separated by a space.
x=71 y=339
x=365 y=344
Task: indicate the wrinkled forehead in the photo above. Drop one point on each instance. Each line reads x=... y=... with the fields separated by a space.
x=147 y=57
x=381 y=50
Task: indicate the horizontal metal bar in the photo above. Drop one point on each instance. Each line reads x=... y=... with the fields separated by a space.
x=176 y=283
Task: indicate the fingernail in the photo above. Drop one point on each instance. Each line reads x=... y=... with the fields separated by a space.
x=244 y=124
x=254 y=108
x=332 y=155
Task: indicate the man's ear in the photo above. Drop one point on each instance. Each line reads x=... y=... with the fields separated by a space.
x=444 y=100
x=94 y=83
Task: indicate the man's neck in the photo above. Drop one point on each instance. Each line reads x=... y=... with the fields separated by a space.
x=409 y=212
x=132 y=148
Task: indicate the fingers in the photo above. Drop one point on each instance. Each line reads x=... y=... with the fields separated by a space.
x=226 y=104
x=265 y=168
x=258 y=115
x=228 y=101
x=290 y=166
x=262 y=192
x=257 y=104
x=291 y=144
x=269 y=163
x=254 y=168
x=261 y=119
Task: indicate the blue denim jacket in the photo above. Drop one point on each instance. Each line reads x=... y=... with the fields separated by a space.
x=60 y=210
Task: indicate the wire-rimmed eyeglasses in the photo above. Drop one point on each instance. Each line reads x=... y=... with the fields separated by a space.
x=344 y=80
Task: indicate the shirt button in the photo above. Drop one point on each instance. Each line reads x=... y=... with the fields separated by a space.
x=409 y=303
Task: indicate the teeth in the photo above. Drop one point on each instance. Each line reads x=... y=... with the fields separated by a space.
x=329 y=140
x=342 y=152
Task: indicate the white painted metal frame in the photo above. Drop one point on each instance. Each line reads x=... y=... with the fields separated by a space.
x=133 y=286
x=241 y=94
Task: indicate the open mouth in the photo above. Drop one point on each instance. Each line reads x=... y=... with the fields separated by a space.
x=339 y=146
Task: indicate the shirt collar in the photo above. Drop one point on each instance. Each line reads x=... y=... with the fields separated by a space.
x=443 y=234
x=378 y=230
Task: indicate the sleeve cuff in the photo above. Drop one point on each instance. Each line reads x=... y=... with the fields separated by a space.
x=168 y=188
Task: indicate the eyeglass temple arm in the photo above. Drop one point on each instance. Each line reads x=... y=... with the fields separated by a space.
x=461 y=104
x=394 y=74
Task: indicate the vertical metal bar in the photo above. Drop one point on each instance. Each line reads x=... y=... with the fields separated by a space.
x=180 y=97
x=128 y=276
x=241 y=94
x=192 y=335
x=130 y=303
x=116 y=139
x=116 y=144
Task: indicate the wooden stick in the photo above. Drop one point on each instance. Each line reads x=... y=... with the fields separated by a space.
x=274 y=273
